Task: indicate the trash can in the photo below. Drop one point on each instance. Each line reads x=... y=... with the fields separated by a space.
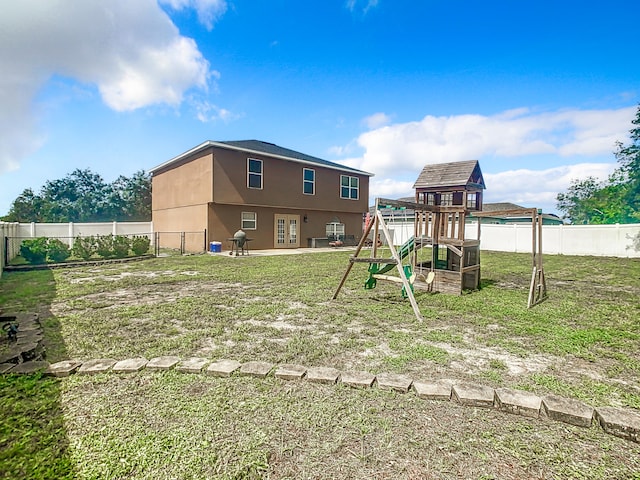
x=215 y=247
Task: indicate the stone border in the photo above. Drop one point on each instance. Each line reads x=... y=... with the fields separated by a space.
x=620 y=422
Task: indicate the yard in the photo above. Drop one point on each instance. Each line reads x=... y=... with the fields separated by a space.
x=582 y=343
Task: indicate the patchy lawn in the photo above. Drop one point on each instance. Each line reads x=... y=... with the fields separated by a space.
x=583 y=342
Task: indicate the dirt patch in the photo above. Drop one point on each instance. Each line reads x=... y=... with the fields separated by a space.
x=147 y=295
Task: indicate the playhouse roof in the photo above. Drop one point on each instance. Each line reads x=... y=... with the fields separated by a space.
x=451 y=174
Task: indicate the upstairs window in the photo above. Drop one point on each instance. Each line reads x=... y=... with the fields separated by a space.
x=254 y=173
x=349 y=187
x=431 y=199
x=446 y=199
x=308 y=181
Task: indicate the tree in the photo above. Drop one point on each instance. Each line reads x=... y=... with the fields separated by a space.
x=83 y=196
x=629 y=171
x=27 y=205
x=135 y=196
x=616 y=200
x=579 y=203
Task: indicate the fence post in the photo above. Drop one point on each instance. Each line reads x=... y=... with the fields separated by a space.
x=6 y=251
x=70 y=241
x=205 y=239
x=182 y=247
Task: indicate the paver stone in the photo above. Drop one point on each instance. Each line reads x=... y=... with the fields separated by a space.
x=223 y=368
x=392 y=381
x=163 y=363
x=256 y=369
x=433 y=390
x=325 y=375
x=130 y=365
x=30 y=367
x=63 y=368
x=290 y=372
x=192 y=365
x=473 y=395
x=98 y=365
x=619 y=422
x=357 y=379
x=518 y=402
x=567 y=410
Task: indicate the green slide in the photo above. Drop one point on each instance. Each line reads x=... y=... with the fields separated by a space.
x=403 y=251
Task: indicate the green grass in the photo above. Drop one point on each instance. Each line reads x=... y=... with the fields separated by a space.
x=582 y=342
x=33 y=438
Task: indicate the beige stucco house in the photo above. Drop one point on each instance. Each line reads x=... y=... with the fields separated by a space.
x=281 y=198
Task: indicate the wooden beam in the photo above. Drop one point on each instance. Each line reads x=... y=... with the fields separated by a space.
x=372 y=260
x=525 y=212
x=401 y=203
x=405 y=282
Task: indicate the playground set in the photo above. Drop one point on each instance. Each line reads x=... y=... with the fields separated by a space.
x=440 y=256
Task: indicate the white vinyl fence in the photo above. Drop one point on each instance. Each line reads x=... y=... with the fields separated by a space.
x=6 y=230
x=597 y=240
x=65 y=232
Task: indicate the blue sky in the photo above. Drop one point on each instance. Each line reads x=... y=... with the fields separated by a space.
x=538 y=92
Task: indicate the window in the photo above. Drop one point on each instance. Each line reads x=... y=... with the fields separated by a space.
x=254 y=173
x=472 y=201
x=349 y=187
x=431 y=199
x=335 y=230
x=308 y=181
x=446 y=199
x=249 y=221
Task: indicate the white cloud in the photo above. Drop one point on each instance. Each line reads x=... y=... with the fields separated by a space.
x=578 y=142
x=390 y=188
x=369 y=4
x=377 y=120
x=130 y=50
x=409 y=146
x=539 y=188
x=209 y=11
x=208 y=112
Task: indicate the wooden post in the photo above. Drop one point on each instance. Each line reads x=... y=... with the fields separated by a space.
x=538 y=287
x=374 y=249
x=358 y=248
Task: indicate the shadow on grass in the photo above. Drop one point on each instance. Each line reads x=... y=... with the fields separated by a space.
x=33 y=438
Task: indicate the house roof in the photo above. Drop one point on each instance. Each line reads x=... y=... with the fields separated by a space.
x=450 y=175
x=495 y=207
x=264 y=148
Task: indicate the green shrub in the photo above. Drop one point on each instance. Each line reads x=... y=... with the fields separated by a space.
x=140 y=244
x=121 y=246
x=104 y=246
x=57 y=250
x=34 y=250
x=84 y=247
x=112 y=246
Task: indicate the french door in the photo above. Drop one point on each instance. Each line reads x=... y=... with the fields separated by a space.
x=286 y=231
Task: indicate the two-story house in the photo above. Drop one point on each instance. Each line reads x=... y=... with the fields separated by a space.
x=281 y=198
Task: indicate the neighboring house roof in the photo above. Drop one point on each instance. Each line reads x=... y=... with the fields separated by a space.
x=502 y=207
x=494 y=207
x=450 y=175
x=265 y=148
